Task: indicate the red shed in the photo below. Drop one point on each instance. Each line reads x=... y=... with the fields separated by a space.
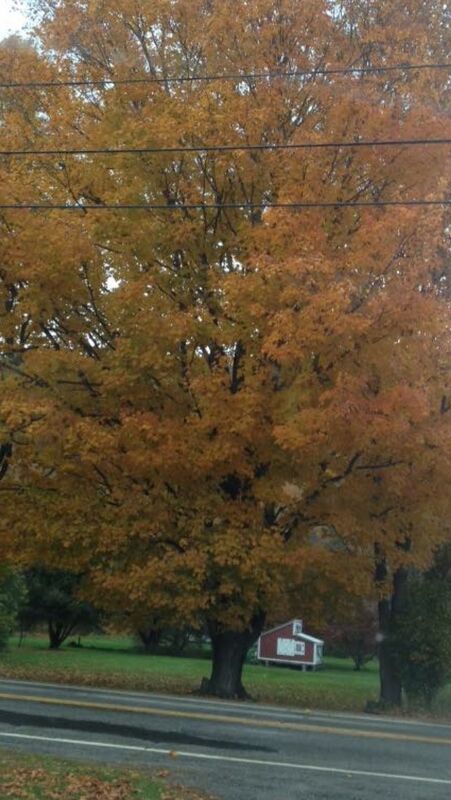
x=288 y=644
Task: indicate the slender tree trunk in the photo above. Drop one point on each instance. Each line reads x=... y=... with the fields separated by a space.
x=179 y=642
x=389 y=610
x=229 y=650
x=58 y=633
x=150 y=638
x=55 y=636
x=390 y=682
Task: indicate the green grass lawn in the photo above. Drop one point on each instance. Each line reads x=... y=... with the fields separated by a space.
x=40 y=777
x=115 y=662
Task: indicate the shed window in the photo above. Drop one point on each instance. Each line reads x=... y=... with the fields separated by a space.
x=300 y=649
x=286 y=647
x=297 y=628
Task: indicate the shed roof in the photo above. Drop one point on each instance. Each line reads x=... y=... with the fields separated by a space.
x=301 y=635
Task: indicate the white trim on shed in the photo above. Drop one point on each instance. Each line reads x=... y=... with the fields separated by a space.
x=283 y=625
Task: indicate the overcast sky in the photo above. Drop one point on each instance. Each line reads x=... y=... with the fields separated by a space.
x=10 y=20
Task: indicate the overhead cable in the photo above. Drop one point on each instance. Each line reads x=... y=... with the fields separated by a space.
x=218 y=206
x=239 y=76
x=111 y=151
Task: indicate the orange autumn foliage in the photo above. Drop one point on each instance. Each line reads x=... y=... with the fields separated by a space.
x=199 y=405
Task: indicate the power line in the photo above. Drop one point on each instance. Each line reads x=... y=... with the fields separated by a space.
x=225 y=77
x=221 y=148
x=218 y=206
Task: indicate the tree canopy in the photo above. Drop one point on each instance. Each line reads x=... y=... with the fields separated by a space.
x=201 y=405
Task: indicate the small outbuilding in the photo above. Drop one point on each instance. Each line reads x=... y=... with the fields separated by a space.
x=288 y=644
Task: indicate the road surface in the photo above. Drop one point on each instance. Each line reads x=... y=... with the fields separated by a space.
x=234 y=751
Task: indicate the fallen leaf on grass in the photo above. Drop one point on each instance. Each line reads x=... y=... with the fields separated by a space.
x=23 y=784
x=28 y=783
x=181 y=793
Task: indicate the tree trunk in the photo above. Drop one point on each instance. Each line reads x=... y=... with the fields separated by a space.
x=229 y=650
x=389 y=610
x=179 y=642
x=390 y=694
x=58 y=633
x=150 y=638
x=55 y=636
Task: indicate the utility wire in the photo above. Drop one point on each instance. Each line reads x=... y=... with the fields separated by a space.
x=221 y=148
x=226 y=77
x=208 y=206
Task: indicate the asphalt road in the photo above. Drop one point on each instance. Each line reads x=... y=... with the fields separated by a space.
x=234 y=751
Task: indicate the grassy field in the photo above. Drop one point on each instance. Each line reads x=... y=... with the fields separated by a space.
x=41 y=778
x=115 y=663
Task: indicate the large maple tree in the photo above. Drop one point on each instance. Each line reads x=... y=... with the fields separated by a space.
x=200 y=406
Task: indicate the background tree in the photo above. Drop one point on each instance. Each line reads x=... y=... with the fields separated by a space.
x=177 y=640
x=421 y=638
x=52 y=601
x=355 y=637
x=149 y=637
